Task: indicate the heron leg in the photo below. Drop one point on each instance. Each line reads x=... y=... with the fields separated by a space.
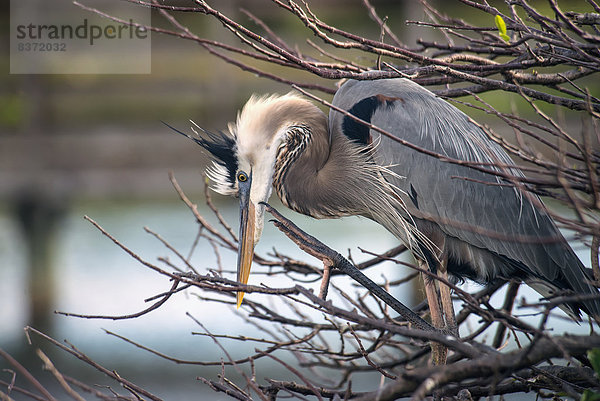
x=325 y=280
x=446 y=298
x=438 y=351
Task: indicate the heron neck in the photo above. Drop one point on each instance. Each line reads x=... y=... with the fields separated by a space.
x=323 y=178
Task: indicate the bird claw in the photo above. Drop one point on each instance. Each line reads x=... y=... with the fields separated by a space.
x=331 y=258
x=305 y=241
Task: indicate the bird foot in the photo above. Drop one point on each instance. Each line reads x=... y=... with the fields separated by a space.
x=306 y=242
x=332 y=259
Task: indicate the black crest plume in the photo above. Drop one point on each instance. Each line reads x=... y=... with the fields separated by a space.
x=222 y=147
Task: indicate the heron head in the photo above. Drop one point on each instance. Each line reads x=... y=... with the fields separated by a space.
x=246 y=161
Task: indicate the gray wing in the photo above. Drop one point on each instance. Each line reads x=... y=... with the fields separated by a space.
x=473 y=208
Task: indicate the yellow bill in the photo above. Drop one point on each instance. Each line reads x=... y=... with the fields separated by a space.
x=246 y=243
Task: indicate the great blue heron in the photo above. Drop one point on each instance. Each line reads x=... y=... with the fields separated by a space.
x=453 y=217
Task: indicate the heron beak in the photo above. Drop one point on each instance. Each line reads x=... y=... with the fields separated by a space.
x=246 y=241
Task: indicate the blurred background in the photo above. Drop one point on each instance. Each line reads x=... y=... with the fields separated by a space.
x=75 y=145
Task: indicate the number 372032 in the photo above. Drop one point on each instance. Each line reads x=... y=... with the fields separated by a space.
x=41 y=47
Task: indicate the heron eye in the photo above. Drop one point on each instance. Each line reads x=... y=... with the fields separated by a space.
x=242 y=177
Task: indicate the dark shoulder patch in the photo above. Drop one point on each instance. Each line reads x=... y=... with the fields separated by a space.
x=364 y=109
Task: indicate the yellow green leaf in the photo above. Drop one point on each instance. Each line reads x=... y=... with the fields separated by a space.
x=501 y=28
x=594 y=357
x=589 y=395
x=500 y=24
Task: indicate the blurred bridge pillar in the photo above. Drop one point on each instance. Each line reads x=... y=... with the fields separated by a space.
x=38 y=215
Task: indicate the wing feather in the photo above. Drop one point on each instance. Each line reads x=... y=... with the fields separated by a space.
x=481 y=210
